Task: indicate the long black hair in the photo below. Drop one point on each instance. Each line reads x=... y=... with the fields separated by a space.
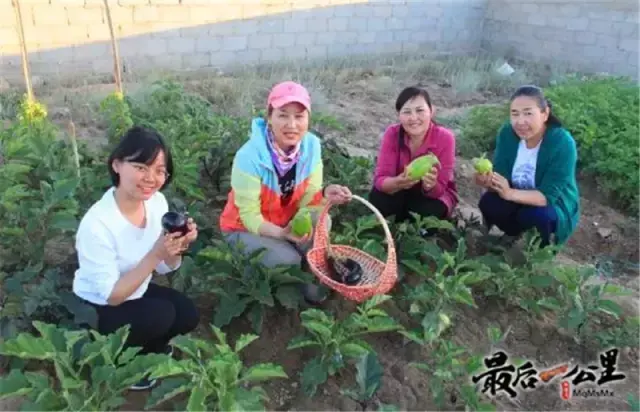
x=140 y=145
x=536 y=93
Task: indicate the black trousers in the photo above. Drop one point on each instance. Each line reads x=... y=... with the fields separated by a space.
x=154 y=319
x=405 y=201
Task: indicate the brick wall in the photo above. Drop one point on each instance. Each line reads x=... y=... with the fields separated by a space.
x=589 y=35
x=67 y=35
x=72 y=35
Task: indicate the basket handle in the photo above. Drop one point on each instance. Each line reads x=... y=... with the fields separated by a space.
x=321 y=237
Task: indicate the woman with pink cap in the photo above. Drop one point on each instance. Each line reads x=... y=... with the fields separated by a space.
x=274 y=174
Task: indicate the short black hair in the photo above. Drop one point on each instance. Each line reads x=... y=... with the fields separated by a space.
x=140 y=145
x=411 y=93
x=537 y=94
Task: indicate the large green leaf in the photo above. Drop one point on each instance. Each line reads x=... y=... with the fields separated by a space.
x=64 y=220
x=168 y=388
x=229 y=308
x=256 y=317
x=245 y=340
x=14 y=384
x=27 y=346
x=262 y=372
x=197 y=399
x=369 y=374
x=289 y=296
x=315 y=373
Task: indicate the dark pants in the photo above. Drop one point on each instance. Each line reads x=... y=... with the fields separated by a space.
x=155 y=318
x=514 y=218
x=405 y=201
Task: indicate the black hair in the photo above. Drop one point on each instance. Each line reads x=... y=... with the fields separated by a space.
x=140 y=145
x=536 y=93
x=411 y=93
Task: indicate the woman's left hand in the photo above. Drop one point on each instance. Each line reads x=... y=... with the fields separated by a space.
x=499 y=184
x=191 y=235
x=430 y=179
x=337 y=194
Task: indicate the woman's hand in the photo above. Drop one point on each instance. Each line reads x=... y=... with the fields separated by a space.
x=403 y=181
x=337 y=194
x=299 y=240
x=168 y=246
x=191 y=235
x=430 y=179
x=483 y=180
x=499 y=184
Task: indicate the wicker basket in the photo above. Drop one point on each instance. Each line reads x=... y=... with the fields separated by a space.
x=377 y=277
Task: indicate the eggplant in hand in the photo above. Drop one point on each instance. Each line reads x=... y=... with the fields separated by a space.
x=174 y=222
x=344 y=270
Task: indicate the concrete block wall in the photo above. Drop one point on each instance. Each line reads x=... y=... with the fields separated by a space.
x=598 y=36
x=72 y=35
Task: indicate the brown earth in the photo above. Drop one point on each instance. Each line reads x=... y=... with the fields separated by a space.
x=364 y=101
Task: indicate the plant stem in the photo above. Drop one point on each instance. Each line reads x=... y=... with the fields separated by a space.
x=74 y=146
x=23 y=50
x=114 y=49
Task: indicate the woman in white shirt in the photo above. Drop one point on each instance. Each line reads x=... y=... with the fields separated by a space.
x=120 y=242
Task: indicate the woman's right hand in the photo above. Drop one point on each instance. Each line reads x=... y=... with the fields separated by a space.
x=483 y=180
x=169 y=245
x=404 y=182
x=287 y=235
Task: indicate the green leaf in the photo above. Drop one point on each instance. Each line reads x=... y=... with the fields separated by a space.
x=262 y=372
x=314 y=374
x=464 y=295
x=541 y=281
x=229 y=308
x=301 y=342
x=369 y=374
x=14 y=384
x=27 y=346
x=550 y=303
x=353 y=350
x=385 y=407
x=256 y=317
x=167 y=389
x=288 y=296
x=244 y=340
x=495 y=334
x=63 y=189
x=64 y=221
x=610 y=307
x=171 y=367
x=197 y=398
x=320 y=328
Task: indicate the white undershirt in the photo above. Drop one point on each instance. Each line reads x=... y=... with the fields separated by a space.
x=108 y=246
x=523 y=174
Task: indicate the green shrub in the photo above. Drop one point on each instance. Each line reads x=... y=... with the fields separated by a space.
x=601 y=114
x=479 y=129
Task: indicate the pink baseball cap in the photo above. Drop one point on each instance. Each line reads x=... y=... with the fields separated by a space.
x=288 y=92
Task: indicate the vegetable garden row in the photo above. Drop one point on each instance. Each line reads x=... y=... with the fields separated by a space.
x=48 y=179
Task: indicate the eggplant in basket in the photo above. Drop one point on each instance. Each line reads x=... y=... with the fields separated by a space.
x=344 y=270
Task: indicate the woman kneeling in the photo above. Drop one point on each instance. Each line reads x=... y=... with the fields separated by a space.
x=533 y=182
x=120 y=242
x=275 y=174
x=394 y=192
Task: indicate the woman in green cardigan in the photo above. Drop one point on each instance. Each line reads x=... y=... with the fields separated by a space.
x=533 y=182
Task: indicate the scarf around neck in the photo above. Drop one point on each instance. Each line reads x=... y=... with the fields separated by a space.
x=283 y=161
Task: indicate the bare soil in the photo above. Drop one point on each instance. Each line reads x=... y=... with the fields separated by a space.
x=367 y=108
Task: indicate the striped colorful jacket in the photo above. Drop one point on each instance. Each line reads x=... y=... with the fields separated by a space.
x=255 y=192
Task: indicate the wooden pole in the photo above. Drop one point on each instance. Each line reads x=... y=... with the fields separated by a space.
x=114 y=48
x=23 y=47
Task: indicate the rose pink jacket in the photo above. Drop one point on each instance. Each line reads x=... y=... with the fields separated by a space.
x=440 y=141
